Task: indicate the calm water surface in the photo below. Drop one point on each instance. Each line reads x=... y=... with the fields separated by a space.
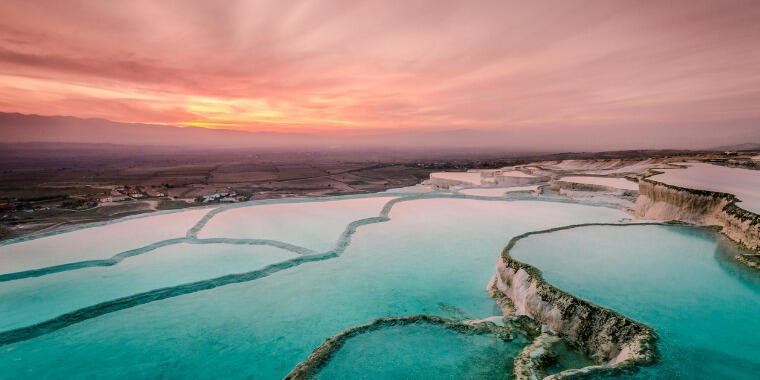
x=682 y=281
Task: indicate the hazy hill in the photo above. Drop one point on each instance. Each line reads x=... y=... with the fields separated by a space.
x=18 y=128
x=737 y=147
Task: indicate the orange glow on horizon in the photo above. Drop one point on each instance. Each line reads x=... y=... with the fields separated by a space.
x=512 y=66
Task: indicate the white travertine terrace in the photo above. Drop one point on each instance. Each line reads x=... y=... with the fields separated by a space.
x=522 y=188
x=497 y=191
x=485 y=191
x=618 y=183
x=102 y=241
x=445 y=180
x=483 y=177
x=613 y=166
x=313 y=225
x=513 y=177
x=465 y=177
x=743 y=183
x=516 y=173
x=661 y=201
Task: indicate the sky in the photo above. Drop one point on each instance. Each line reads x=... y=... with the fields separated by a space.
x=654 y=70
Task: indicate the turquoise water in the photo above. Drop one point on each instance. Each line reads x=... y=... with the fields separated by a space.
x=434 y=256
x=314 y=225
x=426 y=351
x=100 y=242
x=422 y=351
x=679 y=280
x=32 y=300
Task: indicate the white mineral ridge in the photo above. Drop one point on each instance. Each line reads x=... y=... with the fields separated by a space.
x=516 y=173
x=94 y=243
x=472 y=178
x=485 y=191
x=314 y=225
x=614 y=166
x=36 y=299
x=743 y=183
x=496 y=191
x=522 y=188
x=414 y=189
x=618 y=183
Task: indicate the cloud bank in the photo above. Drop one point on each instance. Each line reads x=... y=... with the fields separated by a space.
x=620 y=73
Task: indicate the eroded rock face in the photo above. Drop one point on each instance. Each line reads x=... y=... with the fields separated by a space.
x=666 y=202
x=532 y=362
x=605 y=335
x=511 y=180
x=752 y=261
x=308 y=368
x=558 y=184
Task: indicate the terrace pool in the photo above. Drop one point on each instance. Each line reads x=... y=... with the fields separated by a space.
x=231 y=302
x=243 y=292
x=423 y=352
x=682 y=281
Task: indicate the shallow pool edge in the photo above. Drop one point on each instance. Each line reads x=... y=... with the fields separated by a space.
x=308 y=368
x=620 y=343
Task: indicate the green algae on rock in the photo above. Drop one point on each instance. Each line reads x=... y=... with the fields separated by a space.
x=322 y=354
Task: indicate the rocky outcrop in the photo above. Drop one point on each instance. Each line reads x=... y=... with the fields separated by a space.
x=321 y=355
x=661 y=201
x=443 y=183
x=507 y=179
x=608 y=337
x=752 y=261
x=558 y=184
x=536 y=357
x=482 y=177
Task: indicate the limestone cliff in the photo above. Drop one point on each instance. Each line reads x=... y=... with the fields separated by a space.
x=610 y=338
x=661 y=201
x=558 y=184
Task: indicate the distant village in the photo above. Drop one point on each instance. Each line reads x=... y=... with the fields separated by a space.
x=127 y=193
x=117 y=195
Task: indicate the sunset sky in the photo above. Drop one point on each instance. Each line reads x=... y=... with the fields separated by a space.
x=358 y=66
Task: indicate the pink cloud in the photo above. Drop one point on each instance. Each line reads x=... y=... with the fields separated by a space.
x=379 y=65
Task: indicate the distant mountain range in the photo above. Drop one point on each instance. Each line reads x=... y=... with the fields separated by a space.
x=737 y=147
x=21 y=128
x=16 y=127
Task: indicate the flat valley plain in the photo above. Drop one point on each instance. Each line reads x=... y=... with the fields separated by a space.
x=48 y=187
